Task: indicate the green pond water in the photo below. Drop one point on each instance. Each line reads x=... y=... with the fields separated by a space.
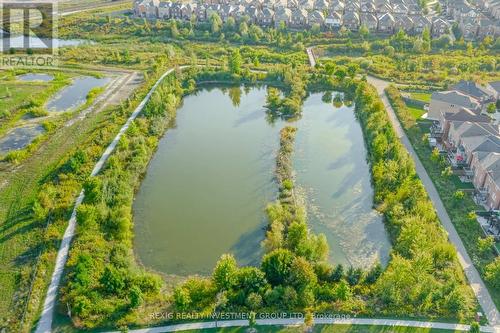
x=206 y=187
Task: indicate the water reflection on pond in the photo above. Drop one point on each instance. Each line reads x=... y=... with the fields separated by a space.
x=33 y=77
x=19 y=138
x=75 y=94
x=207 y=186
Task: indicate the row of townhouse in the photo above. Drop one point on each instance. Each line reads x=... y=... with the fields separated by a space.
x=334 y=14
x=475 y=21
x=469 y=136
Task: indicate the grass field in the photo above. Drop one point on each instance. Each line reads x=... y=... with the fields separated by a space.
x=325 y=329
x=421 y=96
x=416 y=112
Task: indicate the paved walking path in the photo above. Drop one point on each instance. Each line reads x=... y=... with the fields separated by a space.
x=475 y=281
x=317 y=321
x=45 y=323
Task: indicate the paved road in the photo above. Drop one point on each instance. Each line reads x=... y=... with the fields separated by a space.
x=296 y=322
x=45 y=323
x=472 y=274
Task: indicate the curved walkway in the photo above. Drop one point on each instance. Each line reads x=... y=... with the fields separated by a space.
x=45 y=322
x=482 y=294
x=317 y=321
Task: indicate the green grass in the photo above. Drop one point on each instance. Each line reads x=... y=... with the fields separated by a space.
x=416 y=112
x=421 y=96
x=21 y=236
x=324 y=329
x=13 y=94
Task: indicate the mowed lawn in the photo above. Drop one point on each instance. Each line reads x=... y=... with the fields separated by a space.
x=324 y=329
x=421 y=96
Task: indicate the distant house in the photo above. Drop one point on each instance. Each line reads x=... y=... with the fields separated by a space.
x=369 y=20
x=267 y=18
x=386 y=23
x=282 y=15
x=337 y=6
x=440 y=27
x=450 y=102
x=316 y=17
x=368 y=7
x=351 y=20
x=333 y=20
x=420 y=22
x=299 y=18
x=321 y=5
x=469 y=27
x=403 y=22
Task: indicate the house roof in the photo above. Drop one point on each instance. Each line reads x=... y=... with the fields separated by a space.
x=495 y=86
x=491 y=163
x=472 y=88
x=467 y=128
x=457 y=98
x=465 y=114
x=490 y=143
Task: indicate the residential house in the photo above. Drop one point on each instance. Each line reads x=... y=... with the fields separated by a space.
x=486 y=170
x=386 y=23
x=420 y=22
x=321 y=5
x=403 y=22
x=333 y=20
x=282 y=15
x=469 y=27
x=494 y=87
x=440 y=27
x=474 y=89
x=267 y=17
x=337 y=6
x=451 y=102
x=316 y=17
x=368 y=7
x=369 y=20
x=351 y=20
x=299 y=18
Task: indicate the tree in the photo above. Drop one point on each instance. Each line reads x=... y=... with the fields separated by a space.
x=135 y=296
x=338 y=273
x=341 y=73
x=235 y=61
x=364 y=31
x=113 y=280
x=492 y=273
x=309 y=320
x=491 y=108
x=273 y=99
x=474 y=327
x=215 y=22
x=301 y=274
x=243 y=29
x=485 y=245
x=251 y=320
x=277 y=265
x=224 y=275
x=374 y=273
x=343 y=291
